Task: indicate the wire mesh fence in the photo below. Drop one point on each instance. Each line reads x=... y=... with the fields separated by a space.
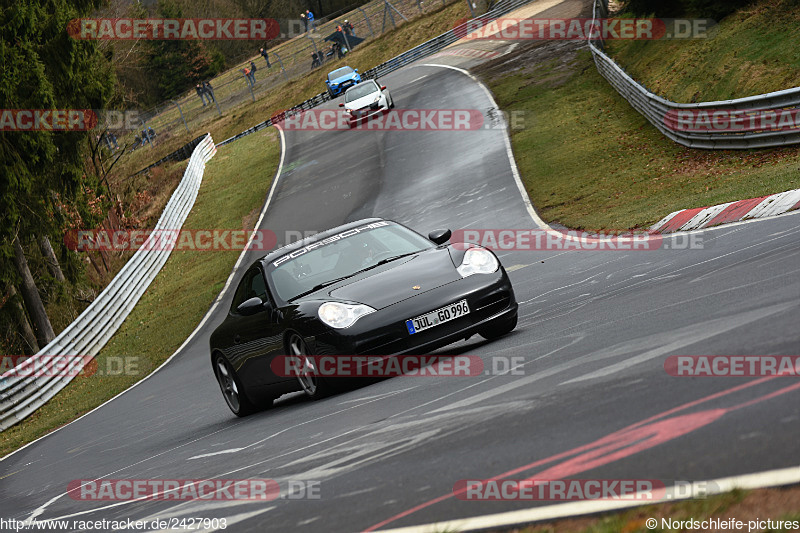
x=287 y=61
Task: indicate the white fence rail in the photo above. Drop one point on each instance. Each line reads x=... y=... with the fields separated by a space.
x=666 y=115
x=32 y=383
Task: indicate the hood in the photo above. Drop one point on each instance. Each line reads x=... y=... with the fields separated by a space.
x=394 y=282
x=362 y=102
x=346 y=77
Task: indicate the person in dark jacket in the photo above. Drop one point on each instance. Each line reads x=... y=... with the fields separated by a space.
x=265 y=55
x=210 y=91
x=201 y=93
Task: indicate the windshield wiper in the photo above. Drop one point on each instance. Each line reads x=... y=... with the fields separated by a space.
x=321 y=286
x=384 y=261
x=337 y=280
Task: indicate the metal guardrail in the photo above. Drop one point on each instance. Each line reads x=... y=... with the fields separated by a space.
x=32 y=383
x=181 y=154
x=425 y=49
x=664 y=114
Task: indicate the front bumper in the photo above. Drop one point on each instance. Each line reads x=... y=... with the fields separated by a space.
x=366 y=113
x=490 y=298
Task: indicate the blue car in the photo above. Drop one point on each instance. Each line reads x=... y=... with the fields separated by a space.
x=340 y=79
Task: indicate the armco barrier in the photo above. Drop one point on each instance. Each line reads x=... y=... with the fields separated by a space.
x=181 y=154
x=406 y=58
x=661 y=113
x=21 y=390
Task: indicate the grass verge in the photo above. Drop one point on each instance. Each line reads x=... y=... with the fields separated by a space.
x=235 y=184
x=590 y=161
x=753 y=52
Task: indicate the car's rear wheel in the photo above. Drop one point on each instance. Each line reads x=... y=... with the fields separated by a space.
x=305 y=370
x=497 y=329
x=231 y=387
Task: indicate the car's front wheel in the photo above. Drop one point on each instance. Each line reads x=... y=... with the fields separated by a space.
x=497 y=329
x=305 y=369
x=231 y=387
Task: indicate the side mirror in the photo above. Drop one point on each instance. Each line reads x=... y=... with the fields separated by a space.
x=355 y=70
x=383 y=87
x=251 y=306
x=341 y=104
x=440 y=236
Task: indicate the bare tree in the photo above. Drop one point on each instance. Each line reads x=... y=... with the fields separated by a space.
x=30 y=295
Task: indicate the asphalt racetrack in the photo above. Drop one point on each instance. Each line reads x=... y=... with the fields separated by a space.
x=589 y=398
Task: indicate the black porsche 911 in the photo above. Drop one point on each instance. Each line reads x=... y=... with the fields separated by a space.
x=369 y=287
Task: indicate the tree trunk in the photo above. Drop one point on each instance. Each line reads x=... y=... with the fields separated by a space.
x=30 y=295
x=51 y=259
x=25 y=325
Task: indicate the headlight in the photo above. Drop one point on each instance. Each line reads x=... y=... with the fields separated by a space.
x=338 y=315
x=478 y=261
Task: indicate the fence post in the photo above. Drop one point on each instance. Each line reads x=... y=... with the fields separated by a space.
x=369 y=26
x=280 y=61
x=181 y=112
x=471 y=9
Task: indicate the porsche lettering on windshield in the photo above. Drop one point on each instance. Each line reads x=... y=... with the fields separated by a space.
x=328 y=240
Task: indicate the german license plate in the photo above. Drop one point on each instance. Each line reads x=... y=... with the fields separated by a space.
x=440 y=316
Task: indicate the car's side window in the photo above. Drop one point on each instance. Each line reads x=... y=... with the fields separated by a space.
x=252 y=285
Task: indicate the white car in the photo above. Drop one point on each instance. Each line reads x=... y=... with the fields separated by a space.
x=366 y=99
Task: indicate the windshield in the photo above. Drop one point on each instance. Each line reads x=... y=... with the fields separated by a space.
x=339 y=72
x=341 y=256
x=360 y=90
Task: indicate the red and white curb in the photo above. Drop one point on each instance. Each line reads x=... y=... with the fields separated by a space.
x=705 y=217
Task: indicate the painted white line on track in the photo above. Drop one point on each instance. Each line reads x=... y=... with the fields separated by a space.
x=770 y=478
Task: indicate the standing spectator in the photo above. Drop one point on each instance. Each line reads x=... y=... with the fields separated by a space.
x=349 y=29
x=253 y=71
x=315 y=60
x=209 y=91
x=305 y=20
x=310 y=17
x=265 y=55
x=200 y=92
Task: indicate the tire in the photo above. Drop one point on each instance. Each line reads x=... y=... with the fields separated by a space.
x=311 y=384
x=232 y=389
x=391 y=106
x=496 y=329
x=330 y=92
